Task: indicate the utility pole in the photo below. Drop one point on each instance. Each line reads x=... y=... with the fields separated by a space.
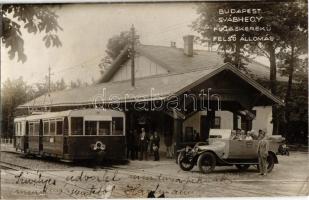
x=49 y=78
x=132 y=55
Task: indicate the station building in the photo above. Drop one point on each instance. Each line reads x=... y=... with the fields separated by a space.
x=179 y=92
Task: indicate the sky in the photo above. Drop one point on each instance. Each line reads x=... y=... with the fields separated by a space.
x=86 y=30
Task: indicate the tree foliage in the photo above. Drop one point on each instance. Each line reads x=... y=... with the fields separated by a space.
x=288 y=22
x=16 y=92
x=34 y=19
x=114 y=47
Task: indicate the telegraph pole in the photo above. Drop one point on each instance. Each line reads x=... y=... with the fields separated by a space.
x=49 y=69
x=132 y=55
x=49 y=79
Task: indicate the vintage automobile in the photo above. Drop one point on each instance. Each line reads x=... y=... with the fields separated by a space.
x=222 y=150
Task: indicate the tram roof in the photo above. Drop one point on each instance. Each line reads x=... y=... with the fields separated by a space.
x=77 y=112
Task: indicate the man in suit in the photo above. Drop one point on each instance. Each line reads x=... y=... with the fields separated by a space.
x=262 y=153
x=143 y=145
x=156 y=146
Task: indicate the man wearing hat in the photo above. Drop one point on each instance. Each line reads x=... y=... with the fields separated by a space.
x=262 y=152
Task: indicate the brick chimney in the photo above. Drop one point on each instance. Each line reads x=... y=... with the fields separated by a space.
x=188 y=45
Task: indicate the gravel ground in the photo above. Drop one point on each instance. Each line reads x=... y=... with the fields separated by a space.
x=52 y=179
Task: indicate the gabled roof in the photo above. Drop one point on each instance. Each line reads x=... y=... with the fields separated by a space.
x=147 y=88
x=175 y=61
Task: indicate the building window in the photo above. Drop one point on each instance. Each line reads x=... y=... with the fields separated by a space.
x=104 y=127
x=77 y=126
x=59 y=128
x=46 y=127
x=188 y=134
x=90 y=127
x=217 y=123
x=117 y=123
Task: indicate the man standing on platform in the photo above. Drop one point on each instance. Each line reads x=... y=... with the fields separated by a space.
x=262 y=152
x=143 y=145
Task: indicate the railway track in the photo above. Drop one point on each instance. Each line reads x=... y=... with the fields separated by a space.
x=11 y=166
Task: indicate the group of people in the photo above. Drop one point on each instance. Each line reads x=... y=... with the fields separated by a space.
x=142 y=145
x=250 y=135
x=263 y=146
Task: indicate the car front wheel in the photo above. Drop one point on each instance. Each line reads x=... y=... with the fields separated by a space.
x=242 y=167
x=206 y=162
x=184 y=163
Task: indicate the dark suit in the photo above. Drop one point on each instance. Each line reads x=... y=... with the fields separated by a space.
x=156 y=146
x=143 y=146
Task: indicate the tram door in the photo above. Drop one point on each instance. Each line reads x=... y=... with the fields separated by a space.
x=26 y=138
x=65 y=135
x=41 y=137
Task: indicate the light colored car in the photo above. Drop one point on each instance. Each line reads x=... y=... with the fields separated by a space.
x=222 y=150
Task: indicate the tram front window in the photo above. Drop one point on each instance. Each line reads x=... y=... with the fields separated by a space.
x=91 y=127
x=104 y=127
x=77 y=126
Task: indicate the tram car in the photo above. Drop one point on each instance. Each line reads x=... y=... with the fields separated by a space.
x=72 y=134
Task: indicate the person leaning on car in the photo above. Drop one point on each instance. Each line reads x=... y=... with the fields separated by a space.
x=262 y=152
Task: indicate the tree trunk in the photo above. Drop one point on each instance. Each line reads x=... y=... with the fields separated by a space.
x=289 y=88
x=273 y=85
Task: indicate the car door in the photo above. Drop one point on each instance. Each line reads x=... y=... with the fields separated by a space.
x=250 y=149
x=236 y=148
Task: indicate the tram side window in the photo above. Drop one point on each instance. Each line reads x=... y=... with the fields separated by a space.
x=104 y=127
x=59 y=127
x=31 y=129
x=52 y=127
x=77 y=126
x=117 y=125
x=20 y=128
x=36 y=128
x=90 y=127
x=16 y=129
x=46 y=128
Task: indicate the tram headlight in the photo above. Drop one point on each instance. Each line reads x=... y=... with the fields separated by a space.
x=99 y=146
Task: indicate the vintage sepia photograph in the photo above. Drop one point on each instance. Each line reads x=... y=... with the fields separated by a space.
x=127 y=100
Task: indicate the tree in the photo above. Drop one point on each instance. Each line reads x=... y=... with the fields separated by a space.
x=210 y=27
x=13 y=93
x=295 y=43
x=114 y=47
x=33 y=18
x=78 y=83
x=275 y=15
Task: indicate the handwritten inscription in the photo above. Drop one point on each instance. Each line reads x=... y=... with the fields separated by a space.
x=105 y=184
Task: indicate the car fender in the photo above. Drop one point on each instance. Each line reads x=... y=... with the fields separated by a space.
x=218 y=148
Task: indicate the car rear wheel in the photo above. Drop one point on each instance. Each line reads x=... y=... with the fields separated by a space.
x=184 y=163
x=270 y=163
x=206 y=162
x=242 y=167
